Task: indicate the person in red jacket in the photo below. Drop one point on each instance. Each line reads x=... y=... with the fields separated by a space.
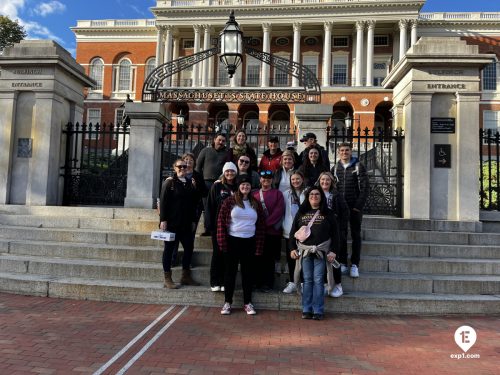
x=273 y=205
x=240 y=235
x=271 y=159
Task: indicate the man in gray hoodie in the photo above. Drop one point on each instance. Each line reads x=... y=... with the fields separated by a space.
x=209 y=164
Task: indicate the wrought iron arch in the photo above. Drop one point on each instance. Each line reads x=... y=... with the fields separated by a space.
x=308 y=92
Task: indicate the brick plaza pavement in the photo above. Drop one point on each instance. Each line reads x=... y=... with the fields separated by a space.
x=54 y=336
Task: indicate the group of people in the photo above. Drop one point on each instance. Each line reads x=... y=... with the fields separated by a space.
x=250 y=208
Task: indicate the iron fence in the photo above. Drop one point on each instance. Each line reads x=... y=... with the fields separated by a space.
x=96 y=162
x=195 y=137
x=489 y=178
x=381 y=152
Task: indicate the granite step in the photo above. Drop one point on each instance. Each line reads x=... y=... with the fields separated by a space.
x=154 y=293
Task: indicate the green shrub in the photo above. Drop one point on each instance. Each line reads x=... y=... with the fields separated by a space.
x=490 y=185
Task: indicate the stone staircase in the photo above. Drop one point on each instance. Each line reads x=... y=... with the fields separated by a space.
x=408 y=266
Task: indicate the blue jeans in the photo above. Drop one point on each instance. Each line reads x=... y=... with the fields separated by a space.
x=313 y=298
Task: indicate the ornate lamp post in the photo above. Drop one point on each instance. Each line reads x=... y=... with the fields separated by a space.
x=231 y=45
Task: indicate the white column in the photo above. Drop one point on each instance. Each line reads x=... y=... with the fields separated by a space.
x=196 y=49
x=159 y=46
x=369 y=52
x=265 y=69
x=8 y=104
x=168 y=50
x=360 y=26
x=175 y=56
x=297 y=26
x=403 y=46
x=327 y=53
x=414 y=37
x=206 y=45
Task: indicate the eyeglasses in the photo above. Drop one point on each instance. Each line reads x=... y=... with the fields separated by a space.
x=244 y=161
x=266 y=173
x=314 y=194
x=181 y=166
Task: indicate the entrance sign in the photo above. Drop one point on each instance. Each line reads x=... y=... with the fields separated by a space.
x=442 y=156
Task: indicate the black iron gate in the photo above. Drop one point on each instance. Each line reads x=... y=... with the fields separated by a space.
x=382 y=154
x=194 y=138
x=96 y=162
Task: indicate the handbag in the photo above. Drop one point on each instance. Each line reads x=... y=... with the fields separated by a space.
x=305 y=230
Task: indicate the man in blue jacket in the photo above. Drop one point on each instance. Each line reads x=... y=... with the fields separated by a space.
x=353 y=184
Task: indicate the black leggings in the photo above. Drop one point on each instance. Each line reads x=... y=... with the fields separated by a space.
x=242 y=251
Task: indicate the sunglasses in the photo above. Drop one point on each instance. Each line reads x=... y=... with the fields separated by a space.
x=244 y=161
x=266 y=173
x=181 y=166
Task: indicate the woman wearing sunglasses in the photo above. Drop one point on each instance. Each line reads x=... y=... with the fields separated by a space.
x=314 y=250
x=178 y=199
x=273 y=205
x=244 y=169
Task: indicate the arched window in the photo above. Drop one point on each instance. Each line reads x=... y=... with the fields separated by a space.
x=124 y=75
x=150 y=65
x=251 y=119
x=97 y=72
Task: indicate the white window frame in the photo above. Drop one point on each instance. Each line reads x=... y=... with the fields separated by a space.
x=122 y=93
x=311 y=59
x=187 y=43
x=253 y=66
x=486 y=75
x=91 y=116
x=491 y=120
x=336 y=57
x=97 y=76
x=222 y=76
x=338 y=38
x=149 y=66
x=279 y=75
x=118 y=120
x=186 y=79
x=381 y=36
x=380 y=74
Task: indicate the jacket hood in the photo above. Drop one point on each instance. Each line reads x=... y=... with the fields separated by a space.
x=267 y=153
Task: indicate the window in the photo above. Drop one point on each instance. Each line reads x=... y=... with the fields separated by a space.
x=222 y=76
x=381 y=40
x=150 y=66
x=379 y=71
x=124 y=75
x=280 y=78
x=311 y=62
x=186 y=77
x=341 y=41
x=491 y=120
x=253 y=71
x=97 y=73
x=490 y=77
x=187 y=43
x=339 y=70
x=282 y=41
x=310 y=41
x=93 y=118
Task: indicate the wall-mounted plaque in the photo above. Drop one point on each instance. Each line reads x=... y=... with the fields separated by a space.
x=24 y=147
x=442 y=156
x=444 y=125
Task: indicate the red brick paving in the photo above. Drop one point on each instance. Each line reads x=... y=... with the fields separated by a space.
x=53 y=336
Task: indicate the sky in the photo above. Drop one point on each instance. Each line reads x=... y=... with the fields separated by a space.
x=51 y=19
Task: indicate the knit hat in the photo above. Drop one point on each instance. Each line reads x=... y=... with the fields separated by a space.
x=229 y=166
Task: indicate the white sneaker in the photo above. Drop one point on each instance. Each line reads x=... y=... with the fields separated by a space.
x=354 y=271
x=277 y=267
x=344 y=269
x=337 y=291
x=290 y=288
x=226 y=309
x=215 y=288
x=250 y=309
x=222 y=289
